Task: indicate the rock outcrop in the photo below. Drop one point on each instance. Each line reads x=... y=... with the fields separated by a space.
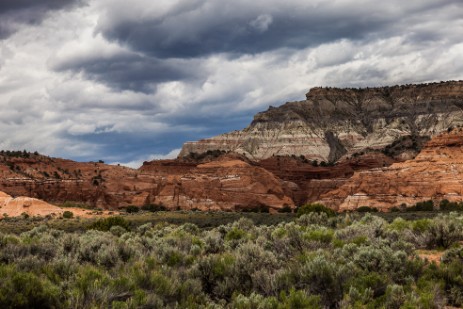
x=228 y=182
x=13 y=207
x=435 y=174
x=334 y=123
x=57 y=180
x=314 y=181
x=23 y=205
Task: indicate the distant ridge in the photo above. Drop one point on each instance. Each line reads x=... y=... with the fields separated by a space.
x=333 y=123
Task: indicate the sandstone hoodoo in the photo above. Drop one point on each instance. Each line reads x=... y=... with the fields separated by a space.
x=435 y=174
x=333 y=123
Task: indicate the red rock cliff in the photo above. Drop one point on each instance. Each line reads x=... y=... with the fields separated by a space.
x=436 y=174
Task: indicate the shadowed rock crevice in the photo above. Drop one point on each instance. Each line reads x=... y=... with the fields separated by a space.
x=337 y=150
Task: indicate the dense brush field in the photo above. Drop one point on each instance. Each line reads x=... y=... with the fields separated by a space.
x=314 y=261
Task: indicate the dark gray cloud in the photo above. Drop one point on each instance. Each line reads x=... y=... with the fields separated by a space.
x=131 y=71
x=184 y=36
x=198 y=28
x=19 y=5
x=14 y=13
x=162 y=34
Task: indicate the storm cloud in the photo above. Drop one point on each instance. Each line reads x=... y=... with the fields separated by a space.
x=15 y=13
x=204 y=27
x=127 y=81
x=130 y=71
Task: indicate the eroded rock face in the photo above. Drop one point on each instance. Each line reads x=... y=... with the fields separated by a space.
x=332 y=123
x=436 y=174
x=229 y=182
x=57 y=180
x=314 y=181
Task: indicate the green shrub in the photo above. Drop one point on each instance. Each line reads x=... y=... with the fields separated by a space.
x=395 y=296
x=105 y=224
x=322 y=278
x=445 y=205
x=153 y=207
x=212 y=271
x=68 y=214
x=285 y=209
x=132 y=209
x=255 y=301
x=317 y=218
x=235 y=234
x=322 y=235
x=299 y=300
x=422 y=206
x=399 y=224
x=366 y=209
x=445 y=231
x=421 y=225
x=319 y=208
x=258 y=209
x=374 y=281
x=26 y=290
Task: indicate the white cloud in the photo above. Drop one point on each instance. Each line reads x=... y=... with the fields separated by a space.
x=262 y=22
x=139 y=161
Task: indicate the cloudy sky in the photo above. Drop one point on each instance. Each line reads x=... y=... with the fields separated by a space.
x=127 y=81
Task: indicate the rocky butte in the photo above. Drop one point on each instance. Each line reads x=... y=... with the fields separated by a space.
x=333 y=123
x=378 y=147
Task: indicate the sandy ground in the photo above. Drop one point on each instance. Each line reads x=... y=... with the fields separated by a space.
x=431 y=255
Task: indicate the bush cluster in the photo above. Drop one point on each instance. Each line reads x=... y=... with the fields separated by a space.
x=314 y=261
x=422 y=206
x=445 y=205
x=366 y=209
x=132 y=209
x=106 y=224
x=153 y=207
x=315 y=207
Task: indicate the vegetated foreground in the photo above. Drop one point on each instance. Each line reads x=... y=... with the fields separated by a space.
x=318 y=260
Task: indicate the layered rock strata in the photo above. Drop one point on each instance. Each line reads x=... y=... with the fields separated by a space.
x=314 y=181
x=435 y=174
x=332 y=123
x=226 y=183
